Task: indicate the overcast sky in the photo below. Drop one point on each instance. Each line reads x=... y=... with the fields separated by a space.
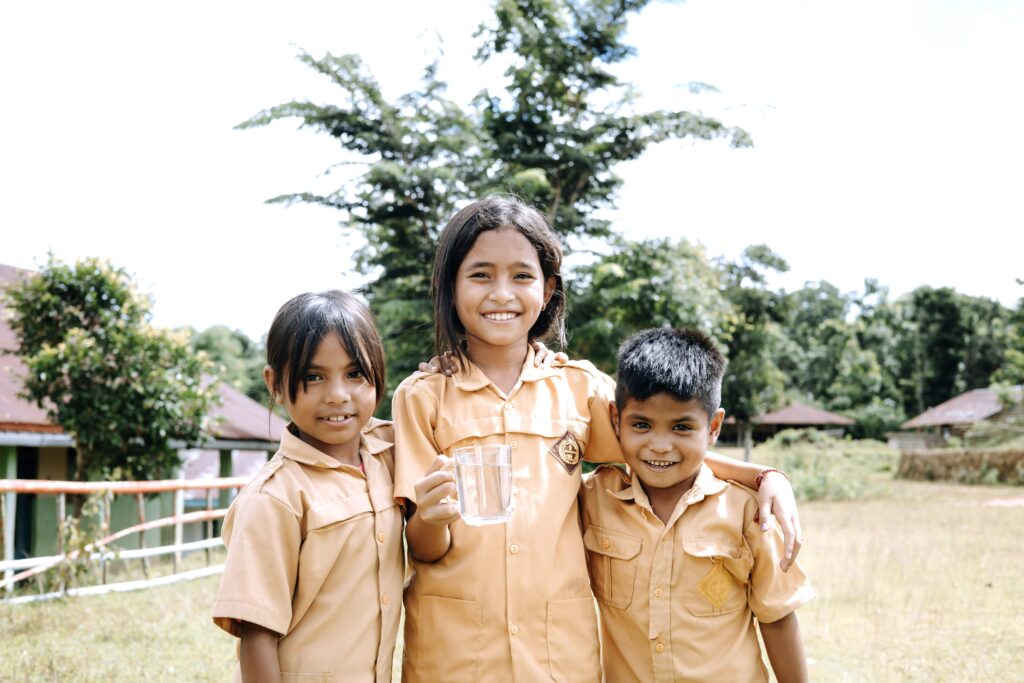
x=888 y=138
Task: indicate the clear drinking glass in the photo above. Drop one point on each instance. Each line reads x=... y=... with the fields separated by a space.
x=483 y=475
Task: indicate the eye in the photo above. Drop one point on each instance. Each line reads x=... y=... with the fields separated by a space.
x=313 y=376
x=478 y=275
x=355 y=374
x=525 y=276
x=641 y=426
x=682 y=428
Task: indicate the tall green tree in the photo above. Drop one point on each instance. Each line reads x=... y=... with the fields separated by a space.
x=553 y=134
x=753 y=384
x=236 y=359
x=121 y=388
x=640 y=284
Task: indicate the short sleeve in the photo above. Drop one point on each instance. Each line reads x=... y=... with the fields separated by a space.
x=415 y=414
x=603 y=445
x=262 y=535
x=773 y=592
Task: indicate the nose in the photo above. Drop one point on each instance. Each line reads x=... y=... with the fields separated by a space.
x=501 y=291
x=658 y=444
x=337 y=391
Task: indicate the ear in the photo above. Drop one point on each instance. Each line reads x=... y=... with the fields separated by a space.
x=549 y=289
x=268 y=379
x=613 y=413
x=715 y=426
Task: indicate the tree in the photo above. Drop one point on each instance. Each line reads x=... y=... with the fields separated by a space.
x=553 y=136
x=236 y=359
x=121 y=388
x=650 y=283
x=753 y=383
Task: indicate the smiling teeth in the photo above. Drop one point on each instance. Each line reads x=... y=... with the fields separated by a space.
x=659 y=463
x=337 y=418
x=500 y=317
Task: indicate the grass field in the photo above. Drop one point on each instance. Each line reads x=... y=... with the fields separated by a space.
x=921 y=583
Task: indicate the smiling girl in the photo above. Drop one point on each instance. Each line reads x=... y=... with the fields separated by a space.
x=313 y=577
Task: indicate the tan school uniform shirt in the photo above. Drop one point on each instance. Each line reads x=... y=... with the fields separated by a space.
x=315 y=554
x=508 y=602
x=677 y=600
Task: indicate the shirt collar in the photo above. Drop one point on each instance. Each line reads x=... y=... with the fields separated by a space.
x=472 y=378
x=294 y=448
x=706 y=484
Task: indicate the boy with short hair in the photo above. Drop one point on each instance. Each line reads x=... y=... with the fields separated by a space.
x=678 y=562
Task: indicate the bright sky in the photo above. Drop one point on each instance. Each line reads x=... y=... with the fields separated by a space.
x=888 y=138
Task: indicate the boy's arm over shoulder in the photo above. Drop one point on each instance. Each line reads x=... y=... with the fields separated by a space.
x=262 y=532
x=773 y=592
x=599 y=391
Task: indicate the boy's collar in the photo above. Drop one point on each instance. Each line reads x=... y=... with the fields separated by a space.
x=706 y=484
x=472 y=378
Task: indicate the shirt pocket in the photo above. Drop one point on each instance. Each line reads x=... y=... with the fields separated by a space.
x=328 y=526
x=715 y=576
x=449 y=637
x=612 y=558
x=572 y=641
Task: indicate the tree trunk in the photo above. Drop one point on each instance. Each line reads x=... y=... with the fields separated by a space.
x=747 y=430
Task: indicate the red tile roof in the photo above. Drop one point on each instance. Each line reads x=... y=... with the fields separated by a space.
x=800 y=414
x=238 y=418
x=967 y=408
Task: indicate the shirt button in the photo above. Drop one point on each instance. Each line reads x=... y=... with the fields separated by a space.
x=381 y=537
x=514 y=630
x=605 y=543
x=514 y=444
x=508 y=407
x=384 y=599
x=515 y=489
x=660 y=647
x=513 y=549
x=657 y=592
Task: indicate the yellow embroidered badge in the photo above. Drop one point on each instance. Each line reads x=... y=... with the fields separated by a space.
x=717 y=586
x=567 y=451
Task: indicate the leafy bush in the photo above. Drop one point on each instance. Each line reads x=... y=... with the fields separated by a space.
x=822 y=467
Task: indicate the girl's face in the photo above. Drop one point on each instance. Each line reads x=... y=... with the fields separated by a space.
x=335 y=404
x=500 y=291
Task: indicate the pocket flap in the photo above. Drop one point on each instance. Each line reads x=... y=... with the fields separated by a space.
x=710 y=547
x=612 y=543
x=335 y=511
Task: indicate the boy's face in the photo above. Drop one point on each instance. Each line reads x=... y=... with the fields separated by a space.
x=664 y=439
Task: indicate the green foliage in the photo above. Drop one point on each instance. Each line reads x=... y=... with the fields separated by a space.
x=821 y=467
x=123 y=389
x=236 y=359
x=552 y=134
x=754 y=384
x=653 y=283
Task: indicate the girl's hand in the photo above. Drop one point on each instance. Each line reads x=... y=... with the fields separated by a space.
x=445 y=364
x=775 y=496
x=435 y=503
x=543 y=357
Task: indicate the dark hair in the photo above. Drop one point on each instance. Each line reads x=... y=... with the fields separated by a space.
x=496 y=212
x=307 y=318
x=683 y=363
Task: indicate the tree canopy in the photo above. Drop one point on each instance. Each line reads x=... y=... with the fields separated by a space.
x=121 y=388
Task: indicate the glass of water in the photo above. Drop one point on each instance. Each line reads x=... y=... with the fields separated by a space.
x=483 y=475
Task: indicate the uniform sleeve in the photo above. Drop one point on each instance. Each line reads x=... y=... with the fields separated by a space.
x=773 y=592
x=415 y=414
x=603 y=445
x=262 y=535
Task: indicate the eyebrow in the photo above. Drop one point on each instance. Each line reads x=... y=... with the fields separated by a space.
x=676 y=420
x=488 y=264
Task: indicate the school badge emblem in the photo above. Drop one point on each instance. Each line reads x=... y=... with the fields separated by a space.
x=717 y=586
x=567 y=451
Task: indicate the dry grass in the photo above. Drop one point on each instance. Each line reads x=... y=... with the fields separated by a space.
x=923 y=584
